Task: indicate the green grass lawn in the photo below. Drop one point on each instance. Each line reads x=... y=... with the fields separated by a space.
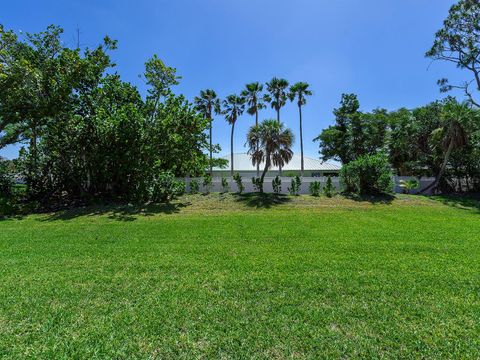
x=240 y=277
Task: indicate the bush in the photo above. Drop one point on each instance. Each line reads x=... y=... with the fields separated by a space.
x=207 y=183
x=225 y=186
x=194 y=186
x=328 y=189
x=257 y=184
x=238 y=180
x=295 y=185
x=165 y=187
x=277 y=185
x=6 y=180
x=368 y=175
x=409 y=185
x=315 y=188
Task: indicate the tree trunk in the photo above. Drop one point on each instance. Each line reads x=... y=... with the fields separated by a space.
x=211 y=157
x=434 y=185
x=278 y=120
x=258 y=145
x=231 y=149
x=301 y=140
x=267 y=166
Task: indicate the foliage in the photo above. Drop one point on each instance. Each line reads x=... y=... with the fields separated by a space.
x=233 y=107
x=458 y=42
x=225 y=185
x=238 y=180
x=270 y=143
x=295 y=186
x=329 y=189
x=88 y=134
x=165 y=187
x=277 y=185
x=368 y=175
x=6 y=180
x=194 y=186
x=354 y=134
x=257 y=184
x=314 y=188
x=409 y=185
x=207 y=183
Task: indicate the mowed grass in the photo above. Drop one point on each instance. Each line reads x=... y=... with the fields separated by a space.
x=220 y=276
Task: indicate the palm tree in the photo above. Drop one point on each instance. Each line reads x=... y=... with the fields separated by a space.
x=454 y=136
x=278 y=97
x=208 y=103
x=233 y=107
x=254 y=100
x=299 y=91
x=275 y=145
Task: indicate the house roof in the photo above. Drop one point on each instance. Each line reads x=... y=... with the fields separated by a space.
x=243 y=162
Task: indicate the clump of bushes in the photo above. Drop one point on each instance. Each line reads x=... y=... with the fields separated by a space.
x=315 y=188
x=277 y=185
x=295 y=185
x=368 y=175
x=409 y=185
x=225 y=186
x=238 y=180
x=257 y=184
x=194 y=186
x=166 y=187
x=207 y=183
x=329 y=189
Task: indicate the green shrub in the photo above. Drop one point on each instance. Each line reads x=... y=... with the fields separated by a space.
x=315 y=188
x=194 y=186
x=277 y=185
x=329 y=189
x=409 y=185
x=257 y=184
x=225 y=186
x=6 y=180
x=238 y=180
x=207 y=183
x=165 y=187
x=369 y=175
x=295 y=185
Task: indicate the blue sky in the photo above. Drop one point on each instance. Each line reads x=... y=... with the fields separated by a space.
x=374 y=48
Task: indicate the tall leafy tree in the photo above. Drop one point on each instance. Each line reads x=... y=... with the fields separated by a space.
x=233 y=108
x=207 y=104
x=452 y=134
x=275 y=145
x=255 y=102
x=160 y=78
x=458 y=42
x=299 y=92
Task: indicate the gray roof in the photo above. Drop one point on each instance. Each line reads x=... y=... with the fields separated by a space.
x=243 y=162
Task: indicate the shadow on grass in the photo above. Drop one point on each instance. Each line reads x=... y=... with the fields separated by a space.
x=460 y=201
x=264 y=200
x=117 y=212
x=385 y=199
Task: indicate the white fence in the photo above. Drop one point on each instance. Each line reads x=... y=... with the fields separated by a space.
x=286 y=182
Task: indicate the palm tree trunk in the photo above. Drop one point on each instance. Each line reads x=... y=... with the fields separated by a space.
x=278 y=120
x=258 y=145
x=434 y=185
x=211 y=158
x=231 y=149
x=267 y=166
x=301 y=140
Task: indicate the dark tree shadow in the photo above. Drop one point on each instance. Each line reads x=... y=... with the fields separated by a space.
x=385 y=199
x=258 y=200
x=116 y=212
x=460 y=201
